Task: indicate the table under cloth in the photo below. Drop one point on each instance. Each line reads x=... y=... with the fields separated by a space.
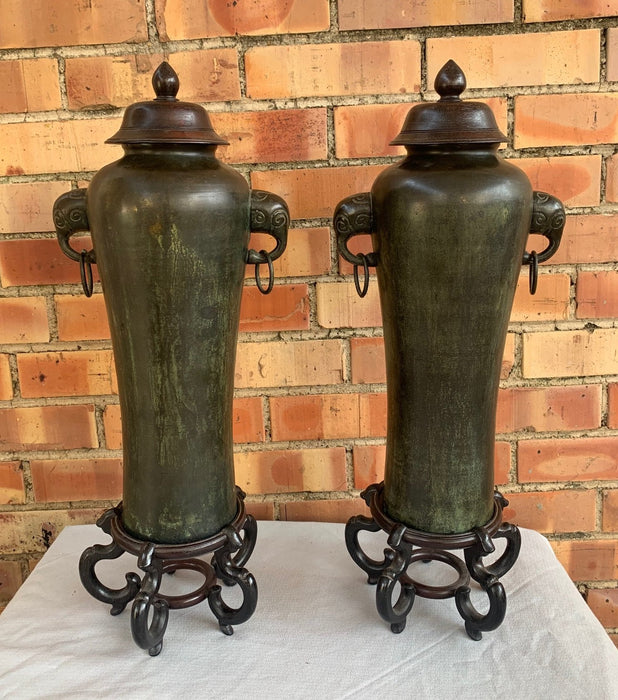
x=315 y=634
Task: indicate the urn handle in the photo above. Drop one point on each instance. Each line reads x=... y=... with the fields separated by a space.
x=70 y=217
x=269 y=214
x=353 y=216
x=548 y=219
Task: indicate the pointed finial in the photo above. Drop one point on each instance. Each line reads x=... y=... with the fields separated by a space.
x=450 y=81
x=165 y=82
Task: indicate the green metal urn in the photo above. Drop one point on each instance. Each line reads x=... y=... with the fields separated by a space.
x=449 y=226
x=170 y=227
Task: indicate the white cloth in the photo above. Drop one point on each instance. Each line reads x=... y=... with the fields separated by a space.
x=315 y=634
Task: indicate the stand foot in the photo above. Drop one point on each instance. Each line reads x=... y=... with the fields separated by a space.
x=407 y=546
x=231 y=548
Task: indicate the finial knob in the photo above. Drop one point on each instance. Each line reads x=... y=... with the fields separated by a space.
x=165 y=82
x=450 y=81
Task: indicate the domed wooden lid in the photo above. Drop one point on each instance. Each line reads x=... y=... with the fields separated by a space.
x=165 y=119
x=449 y=120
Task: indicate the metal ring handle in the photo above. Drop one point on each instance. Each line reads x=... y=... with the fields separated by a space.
x=271 y=272
x=533 y=267
x=362 y=291
x=85 y=271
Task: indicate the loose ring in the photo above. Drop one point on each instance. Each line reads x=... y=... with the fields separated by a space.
x=533 y=263
x=363 y=291
x=271 y=273
x=85 y=270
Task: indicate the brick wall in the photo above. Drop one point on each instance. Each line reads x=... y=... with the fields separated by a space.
x=309 y=92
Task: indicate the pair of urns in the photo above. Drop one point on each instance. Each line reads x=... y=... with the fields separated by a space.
x=170 y=227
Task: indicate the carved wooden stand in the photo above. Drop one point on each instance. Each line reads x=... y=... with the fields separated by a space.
x=230 y=552
x=407 y=545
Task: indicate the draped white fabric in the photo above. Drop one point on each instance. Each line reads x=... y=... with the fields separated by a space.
x=315 y=634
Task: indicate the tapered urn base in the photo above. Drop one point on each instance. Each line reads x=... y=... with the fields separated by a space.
x=231 y=548
x=407 y=545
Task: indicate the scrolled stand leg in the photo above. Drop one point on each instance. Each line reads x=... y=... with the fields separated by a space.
x=118 y=598
x=231 y=548
x=149 y=636
x=395 y=573
x=407 y=545
x=228 y=570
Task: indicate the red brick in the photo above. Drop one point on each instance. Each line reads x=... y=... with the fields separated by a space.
x=502 y=463
x=248 y=420
x=261 y=510
x=597 y=294
x=315 y=193
x=339 y=306
x=553 y=511
x=57 y=146
x=23 y=320
x=367 y=360
x=35 y=530
x=571 y=353
x=11 y=483
x=11 y=579
x=372 y=415
x=33 y=23
x=307 y=253
x=47 y=428
x=312 y=70
x=286 y=308
x=587 y=238
x=508 y=356
x=272 y=136
x=611 y=181
x=549 y=303
x=29 y=85
x=612 y=54
x=76 y=479
x=96 y=82
x=82 y=372
x=282 y=363
x=376 y=14
x=113 y=427
x=368 y=464
x=363 y=131
x=183 y=19
x=315 y=417
x=324 y=511
x=588 y=560
x=612 y=419
x=81 y=318
x=539 y=58
x=30 y=206
x=288 y=471
x=575 y=180
x=561 y=459
x=6 y=382
x=39 y=261
x=604 y=604
x=566 y=120
x=552 y=11
x=548 y=408
x=610 y=511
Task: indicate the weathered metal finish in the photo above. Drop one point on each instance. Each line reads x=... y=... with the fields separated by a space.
x=170 y=225
x=449 y=225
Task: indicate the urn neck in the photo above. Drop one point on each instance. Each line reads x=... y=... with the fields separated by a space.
x=184 y=150
x=453 y=149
